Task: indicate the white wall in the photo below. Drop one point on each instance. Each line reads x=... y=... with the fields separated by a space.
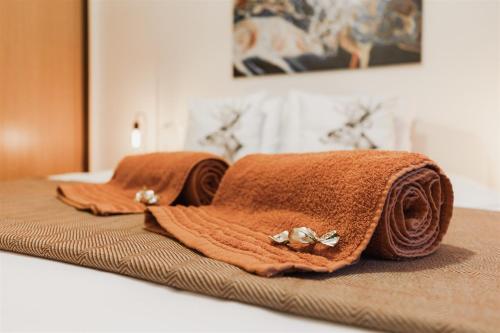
x=151 y=56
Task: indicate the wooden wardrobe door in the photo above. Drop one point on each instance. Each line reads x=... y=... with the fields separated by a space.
x=42 y=87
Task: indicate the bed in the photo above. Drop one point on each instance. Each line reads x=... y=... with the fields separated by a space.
x=63 y=297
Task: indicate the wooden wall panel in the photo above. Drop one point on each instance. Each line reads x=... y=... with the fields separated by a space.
x=42 y=78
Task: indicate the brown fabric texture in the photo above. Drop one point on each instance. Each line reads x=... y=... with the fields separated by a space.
x=396 y=205
x=189 y=178
x=456 y=289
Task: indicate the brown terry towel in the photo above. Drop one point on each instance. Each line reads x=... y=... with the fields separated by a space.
x=188 y=178
x=394 y=205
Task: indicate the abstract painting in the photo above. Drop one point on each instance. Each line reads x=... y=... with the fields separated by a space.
x=292 y=36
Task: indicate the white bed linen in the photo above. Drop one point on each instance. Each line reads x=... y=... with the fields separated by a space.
x=43 y=295
x=85 y=177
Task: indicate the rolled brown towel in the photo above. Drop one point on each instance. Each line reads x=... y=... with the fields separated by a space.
x=394 y=205
x=188 y=178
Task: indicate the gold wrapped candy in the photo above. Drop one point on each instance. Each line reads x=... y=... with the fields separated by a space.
x=305 y=235
x=147 y=197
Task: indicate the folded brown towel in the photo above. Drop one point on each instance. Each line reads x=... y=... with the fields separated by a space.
x=393 y=204
x=188 y=178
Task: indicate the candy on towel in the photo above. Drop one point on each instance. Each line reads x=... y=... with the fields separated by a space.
x=187 y=178
x=392 y=205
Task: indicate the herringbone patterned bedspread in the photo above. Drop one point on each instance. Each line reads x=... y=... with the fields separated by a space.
x=455 y=290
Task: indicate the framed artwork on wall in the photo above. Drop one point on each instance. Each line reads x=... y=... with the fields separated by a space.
x=292 y=36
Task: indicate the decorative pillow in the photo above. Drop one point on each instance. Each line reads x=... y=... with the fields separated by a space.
x=321 y=123
x=271 y=130
x=404 y=120
x=229 y=127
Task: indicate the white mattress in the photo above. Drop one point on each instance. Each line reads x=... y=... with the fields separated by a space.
x=82 y=299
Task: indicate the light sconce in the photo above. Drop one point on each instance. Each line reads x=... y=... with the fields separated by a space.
x=136 y=136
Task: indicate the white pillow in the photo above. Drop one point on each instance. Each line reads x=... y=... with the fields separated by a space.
x=271 y=130
x=230 y=127
x=404 y=120
x=321 y=123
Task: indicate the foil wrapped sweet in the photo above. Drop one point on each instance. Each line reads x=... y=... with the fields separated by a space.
x=147 y=197
x=305 y=235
